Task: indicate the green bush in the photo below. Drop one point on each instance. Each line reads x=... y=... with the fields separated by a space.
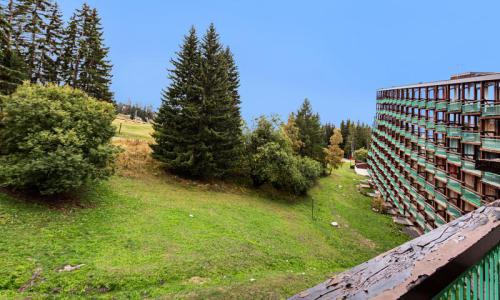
x=54 y=139
x=361 y=154
x=271 y=159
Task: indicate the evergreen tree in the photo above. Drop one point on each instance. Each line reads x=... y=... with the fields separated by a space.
x=95 y=70
x=311 y=133
x=70 y=56
x=33 y=15
x=198 y=126
x=221 y=122
x=328 y=129
x=51 y=47
x=12 y=67
x=178 y=123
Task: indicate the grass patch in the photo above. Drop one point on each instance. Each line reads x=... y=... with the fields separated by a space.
x=133 y=129
x=156 y=237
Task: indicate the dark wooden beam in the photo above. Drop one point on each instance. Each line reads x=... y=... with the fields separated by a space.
x=420 y=268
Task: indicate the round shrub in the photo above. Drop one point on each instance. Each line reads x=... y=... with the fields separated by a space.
x=54 y=139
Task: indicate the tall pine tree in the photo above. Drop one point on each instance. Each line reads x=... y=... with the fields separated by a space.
x=198 y=127
x=51 y=47
x=95 y=70
x=70 y=57
x=12 y=67
x=33 y=15
x=311 y=133
x=177 y=125
x=221 y=126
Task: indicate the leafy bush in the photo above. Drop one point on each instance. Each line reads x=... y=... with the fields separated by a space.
x=361 y=154
x=54 y=139
x=271 y=159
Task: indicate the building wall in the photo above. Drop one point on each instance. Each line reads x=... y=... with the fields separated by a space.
x=427 y=143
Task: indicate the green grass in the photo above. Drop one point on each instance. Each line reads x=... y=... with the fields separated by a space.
x=132 y=130
x=137 y=239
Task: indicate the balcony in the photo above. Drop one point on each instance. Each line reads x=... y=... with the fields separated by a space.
x=441 y=105
x=430 y=146
x=455 y=107
x=454 y=158
x=421 y=141
x=441 y=200
x=454 y=132
x=422 y=122
x=470 y=167
x=491 y=179
x=429 y=188
x=430 y=167
x=471 y=137
x=491 y=110
x=454 y=211
x=441 y=176
x=471 y=197
x=441 y=128
x=431 y=104
x=490 y=144
x=454 y=185
x=430 y=125
x=470 y=108
x=441 y=151
x=422 y=104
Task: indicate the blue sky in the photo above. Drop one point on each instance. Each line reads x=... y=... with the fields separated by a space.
x=336 y=53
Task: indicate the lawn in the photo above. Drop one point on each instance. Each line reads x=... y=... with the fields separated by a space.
x=133 y=130
x=161 y=237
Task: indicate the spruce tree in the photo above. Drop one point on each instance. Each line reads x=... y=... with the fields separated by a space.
x=95 y=70
x=178 y=122
x=12 y=67
x=69 y=60
x=311 y=133
x=51 y=47
x=221 y=125
x=33 y=16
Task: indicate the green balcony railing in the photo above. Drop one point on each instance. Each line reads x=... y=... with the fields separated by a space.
x=471 y=137
x=414 y=103
x=413 y=174
x=454 y=158
x=421 y=141
x=453 y=210
x=421 y=181
x=429 y=210
x=454 y=185
x=441 y=105
x=441 y=200
x=422 y=122
x=441 y=151
x=431 y=104
x=441 y=128
x=455 y=107
x=441 y=175
x=430 y=167
x=471 y=167
x=471 y=197
x=454 y=132
x=492 y=179
x=422 y=104
x=429 y=188
x=481 y=281
x=490 y=143
x=421 y=161
x=414 y=120
x=439 y=220
x=471 y=107
x=430 y=146
x=491 y=110
x=430 y=125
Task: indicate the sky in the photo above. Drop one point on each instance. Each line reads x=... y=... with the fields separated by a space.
x=335 y=53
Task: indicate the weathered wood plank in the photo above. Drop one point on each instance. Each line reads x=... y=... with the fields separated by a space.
x=419 y=267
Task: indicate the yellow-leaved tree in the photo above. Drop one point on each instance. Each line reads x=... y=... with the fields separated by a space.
x=292 y=132
x=333 y=153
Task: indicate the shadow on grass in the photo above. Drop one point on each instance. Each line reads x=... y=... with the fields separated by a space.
x=79 y=199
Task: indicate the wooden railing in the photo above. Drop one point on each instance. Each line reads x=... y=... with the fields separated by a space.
x=459 y=260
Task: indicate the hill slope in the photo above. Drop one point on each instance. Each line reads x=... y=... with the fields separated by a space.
x=164 y=238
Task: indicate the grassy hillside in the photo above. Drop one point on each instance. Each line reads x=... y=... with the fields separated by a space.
x=160 y=237
x=132 y=129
